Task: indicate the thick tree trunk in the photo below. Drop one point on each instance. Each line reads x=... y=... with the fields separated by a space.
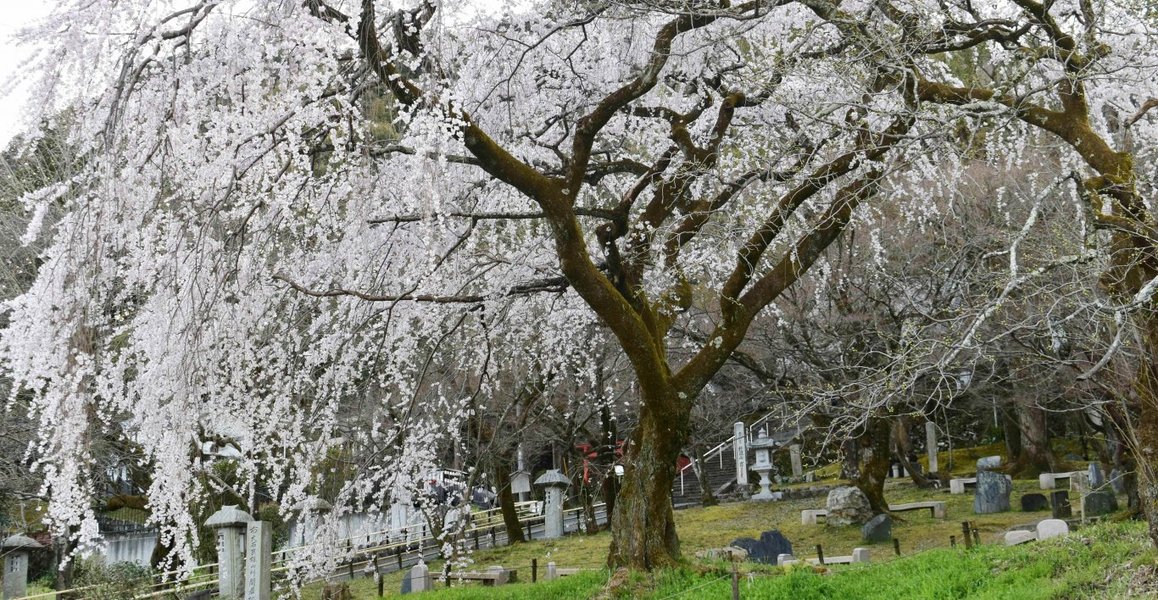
x=875 y=443
x=507 y=501
x=643 y=525
x=1036 y=455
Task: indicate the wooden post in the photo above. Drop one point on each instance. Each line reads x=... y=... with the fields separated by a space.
x=399 y=555
x=476 y=539
x=378 y=576
x=976 y=537
x=953 y=541
x=965 y=532
x=820 y=554
x=534 y=570
x=493 y=536
x=735 y=582
x=897 y=546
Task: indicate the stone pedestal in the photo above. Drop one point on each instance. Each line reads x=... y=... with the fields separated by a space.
x=230 y=523
x=555 y=484
x=740 y=451
x=797 y=465
x=258 y=555
x=15 y=550
x=931 y=444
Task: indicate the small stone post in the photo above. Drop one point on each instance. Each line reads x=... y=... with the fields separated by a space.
x=556 y=485
x=15 y=550
x=258 y=556
x=552 y=572
x=230 y=522
x=740 y=451
x=797 y=465
x=931 y=444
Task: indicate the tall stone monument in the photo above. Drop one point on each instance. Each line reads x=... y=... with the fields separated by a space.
x=556 y=485
x=797 y=464
x=230 y=522
x=258 y=556
x=740 y=451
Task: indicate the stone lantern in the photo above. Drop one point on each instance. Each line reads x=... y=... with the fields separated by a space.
x=230 y=523
x=556 y=485
x=763 y=465
x=306 y=514
x=15 y=550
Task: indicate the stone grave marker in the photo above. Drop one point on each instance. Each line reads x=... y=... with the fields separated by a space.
x=878 y=529
x=931 y=444
x=1096 y=477
x=1051 y=528
x=1060 y=504
x=1099 y=503
x=992 y=495
x=1033 y=502
x=766 y=549
x=420 y=579
x=1117 y=481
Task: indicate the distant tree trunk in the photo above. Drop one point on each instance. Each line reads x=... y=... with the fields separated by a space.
x=643 y=525
x=507 y=501
x=1012 y=432
x=904 y=446
x=1036 y=455
x=1118 y=434
x=607 y=459
x=707 y=496
x=876 y=440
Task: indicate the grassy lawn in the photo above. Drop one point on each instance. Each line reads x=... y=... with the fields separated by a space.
x=992 y=571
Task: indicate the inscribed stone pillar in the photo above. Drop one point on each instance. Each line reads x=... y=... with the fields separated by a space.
x=230 y=523
x=740 y=451
x=555 y=484
x=15 y=550
x=797 y=466
x=931 y=444
x=259 y=554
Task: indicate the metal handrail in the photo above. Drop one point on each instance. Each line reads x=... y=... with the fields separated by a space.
x=718 y=449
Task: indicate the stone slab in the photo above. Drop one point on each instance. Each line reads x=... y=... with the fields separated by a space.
x=1013 y=538
x=1050 y=528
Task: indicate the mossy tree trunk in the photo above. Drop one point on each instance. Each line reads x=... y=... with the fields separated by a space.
x=876 y=440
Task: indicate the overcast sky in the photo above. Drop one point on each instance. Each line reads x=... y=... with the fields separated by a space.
x=16 y=15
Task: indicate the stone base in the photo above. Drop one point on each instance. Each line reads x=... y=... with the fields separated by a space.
x=766 y=496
